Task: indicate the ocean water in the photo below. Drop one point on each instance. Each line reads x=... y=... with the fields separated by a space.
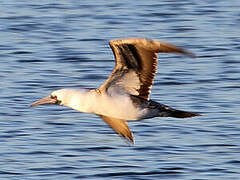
x=47 y=45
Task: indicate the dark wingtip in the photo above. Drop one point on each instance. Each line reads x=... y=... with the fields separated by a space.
x=187 y=53
x=129 y=138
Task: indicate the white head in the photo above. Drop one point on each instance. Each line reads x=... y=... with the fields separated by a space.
x=59 y=97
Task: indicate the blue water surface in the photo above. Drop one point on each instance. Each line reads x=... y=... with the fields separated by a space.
x=47 y=45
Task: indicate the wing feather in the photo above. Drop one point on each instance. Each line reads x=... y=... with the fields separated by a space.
x=120 y=126
x=136 y=65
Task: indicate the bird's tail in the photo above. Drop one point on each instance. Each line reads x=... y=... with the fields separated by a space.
x=171 y=112
x=181 y=114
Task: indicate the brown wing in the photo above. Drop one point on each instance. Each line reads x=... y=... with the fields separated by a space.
x=120 y=126
x=136 y=65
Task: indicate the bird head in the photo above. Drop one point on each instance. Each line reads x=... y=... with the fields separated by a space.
x=56 y=97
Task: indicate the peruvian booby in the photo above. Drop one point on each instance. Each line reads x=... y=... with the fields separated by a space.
x=125 y=94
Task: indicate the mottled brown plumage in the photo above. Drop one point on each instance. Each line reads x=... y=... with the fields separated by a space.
x=138 y=56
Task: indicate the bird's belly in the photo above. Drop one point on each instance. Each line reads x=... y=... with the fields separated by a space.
x=118 y=107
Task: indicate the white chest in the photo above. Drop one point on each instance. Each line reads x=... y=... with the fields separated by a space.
x=113 y=106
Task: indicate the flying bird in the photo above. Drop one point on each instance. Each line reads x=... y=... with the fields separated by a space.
x=125 y=94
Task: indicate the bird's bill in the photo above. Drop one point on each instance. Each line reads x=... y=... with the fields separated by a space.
x=45 y=100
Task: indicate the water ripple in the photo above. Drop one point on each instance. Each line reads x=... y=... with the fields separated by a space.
x=51 y=45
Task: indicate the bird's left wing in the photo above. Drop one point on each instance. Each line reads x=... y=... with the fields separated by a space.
x=120 y=126
x=136 y=65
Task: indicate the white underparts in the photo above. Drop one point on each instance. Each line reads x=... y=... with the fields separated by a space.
x=118 y=106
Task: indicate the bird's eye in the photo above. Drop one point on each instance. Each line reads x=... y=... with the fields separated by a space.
x=53 y=97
